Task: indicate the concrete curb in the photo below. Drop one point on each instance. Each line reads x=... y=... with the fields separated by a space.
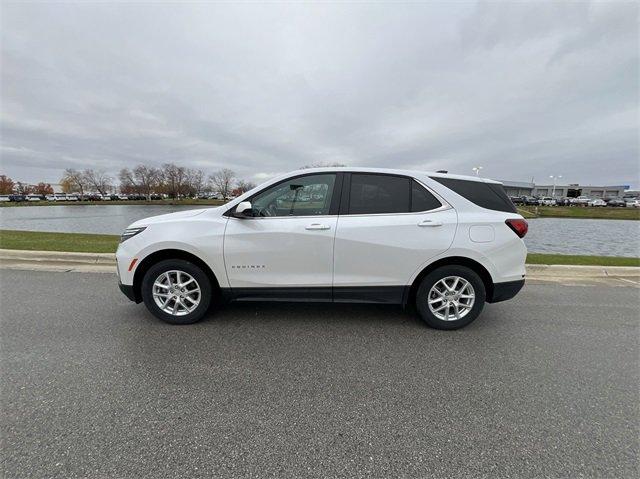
x=572 y=271
x=58 y=256
x=106 y=262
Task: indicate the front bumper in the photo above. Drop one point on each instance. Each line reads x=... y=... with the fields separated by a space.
x=505 y=291
x=128 y=291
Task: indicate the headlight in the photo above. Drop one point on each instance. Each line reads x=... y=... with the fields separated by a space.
x=131 y=232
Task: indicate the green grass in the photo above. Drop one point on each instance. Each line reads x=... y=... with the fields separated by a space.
x=39 y=241
x=189 y=201
x=90 y=243
x=543 y=258
x=580 y=212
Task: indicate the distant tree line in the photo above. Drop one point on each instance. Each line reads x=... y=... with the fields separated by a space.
x=143 y=180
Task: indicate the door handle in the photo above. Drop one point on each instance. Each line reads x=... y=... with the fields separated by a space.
x=317 y=226
x=430 y=223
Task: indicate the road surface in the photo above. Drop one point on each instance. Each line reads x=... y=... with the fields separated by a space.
x=93 y=386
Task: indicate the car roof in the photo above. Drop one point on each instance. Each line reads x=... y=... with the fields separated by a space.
x=390 y=171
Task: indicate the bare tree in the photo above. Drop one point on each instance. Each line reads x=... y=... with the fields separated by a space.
x=23 y=188
x=146 y=179
x=43 y=189
x=6 y=185
x=195 y=181
x=98 y=180
x=127 y=181
x=244 y=186
x=174 y=179
x=222 y=182
x=75 y=179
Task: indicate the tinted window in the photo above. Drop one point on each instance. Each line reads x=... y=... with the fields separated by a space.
x=485 y=195
x=302 y=196
x=379 y=194
x=421 y=199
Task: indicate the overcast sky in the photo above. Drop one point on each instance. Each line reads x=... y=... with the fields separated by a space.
x=524 y=90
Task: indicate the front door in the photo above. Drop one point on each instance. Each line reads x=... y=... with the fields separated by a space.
x=287 y=243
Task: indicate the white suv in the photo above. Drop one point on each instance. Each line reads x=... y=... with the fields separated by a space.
x=445 y=243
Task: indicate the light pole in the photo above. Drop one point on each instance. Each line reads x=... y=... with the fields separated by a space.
x=477 y=170
x=554 y=178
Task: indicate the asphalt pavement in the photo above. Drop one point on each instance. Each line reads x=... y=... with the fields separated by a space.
x=94 y=386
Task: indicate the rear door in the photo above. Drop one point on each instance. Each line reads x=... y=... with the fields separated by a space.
x=389 y=226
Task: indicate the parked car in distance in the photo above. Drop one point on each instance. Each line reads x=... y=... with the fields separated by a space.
x=581 y=201
x=17 y=198
x=73 y=197
x=616 y=202
x=597 y=202
x=517 y=200
x=34 y=197
x=4 y=198
x=632 y=203
x=445 y=243
x=547 y=201
x=60 y=197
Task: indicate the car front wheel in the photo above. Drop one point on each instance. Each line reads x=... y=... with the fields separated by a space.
x=176 y=291
x=450 y=297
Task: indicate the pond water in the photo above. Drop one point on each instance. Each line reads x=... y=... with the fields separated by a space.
x=546 y=235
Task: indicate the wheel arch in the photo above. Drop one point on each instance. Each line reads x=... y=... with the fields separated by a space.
x=165 y=254
x=487 y=280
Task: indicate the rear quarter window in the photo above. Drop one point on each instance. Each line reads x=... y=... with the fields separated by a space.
x=486 y=195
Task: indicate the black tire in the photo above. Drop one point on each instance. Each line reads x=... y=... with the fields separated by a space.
x=436 y=275
x=181 y=265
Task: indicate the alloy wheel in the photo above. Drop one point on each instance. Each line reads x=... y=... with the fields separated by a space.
x=176 y=292
x=451 y=298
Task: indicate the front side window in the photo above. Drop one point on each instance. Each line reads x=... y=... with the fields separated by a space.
x=303 y=196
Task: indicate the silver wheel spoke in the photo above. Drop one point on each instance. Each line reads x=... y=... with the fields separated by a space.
x=451 y=298
x=171 y=296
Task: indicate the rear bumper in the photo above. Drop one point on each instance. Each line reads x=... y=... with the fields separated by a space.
x=127 y=290
x=505 y=291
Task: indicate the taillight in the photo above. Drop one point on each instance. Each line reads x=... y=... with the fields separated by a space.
x=519 y=227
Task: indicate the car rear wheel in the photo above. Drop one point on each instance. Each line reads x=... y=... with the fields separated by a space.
x=450 y=297
x=176 y=291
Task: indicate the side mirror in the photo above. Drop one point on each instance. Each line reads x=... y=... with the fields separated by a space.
x=244 y=210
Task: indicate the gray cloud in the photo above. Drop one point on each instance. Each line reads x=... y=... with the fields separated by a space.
x=525 y=90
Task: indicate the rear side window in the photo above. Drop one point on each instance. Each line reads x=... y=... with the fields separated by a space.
x=421 y=199
x=370 y=194
x=486 y=195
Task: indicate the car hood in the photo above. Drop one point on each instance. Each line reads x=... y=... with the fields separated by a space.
x=169 y=217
